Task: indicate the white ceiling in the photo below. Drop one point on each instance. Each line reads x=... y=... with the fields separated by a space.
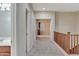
x=62 y=7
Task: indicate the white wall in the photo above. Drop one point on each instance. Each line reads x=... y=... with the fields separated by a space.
x=47 y=15
x=42 y=15
x=5 y=23
x=66 y=22
x=13 y=29
x=31 y=38
x=21 y=27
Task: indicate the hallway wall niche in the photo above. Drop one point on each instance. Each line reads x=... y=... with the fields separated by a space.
x=47 y=15
x=43 y=26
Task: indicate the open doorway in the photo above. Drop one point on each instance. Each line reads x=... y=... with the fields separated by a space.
x=43 y=27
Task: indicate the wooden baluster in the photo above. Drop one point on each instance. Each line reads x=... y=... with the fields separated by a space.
x=74 y=40
x=74 y=44
x=71 y=44
x=68 y=43
x=77 y=44
x=77 y=39
x=64 y=42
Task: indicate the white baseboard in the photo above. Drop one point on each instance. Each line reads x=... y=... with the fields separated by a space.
x=43 y=36
x=60 y=49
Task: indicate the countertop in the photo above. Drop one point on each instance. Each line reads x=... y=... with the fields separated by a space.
x=5 y=41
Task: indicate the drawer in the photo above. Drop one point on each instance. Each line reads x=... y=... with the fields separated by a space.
x=4 y=54
x=4 y=49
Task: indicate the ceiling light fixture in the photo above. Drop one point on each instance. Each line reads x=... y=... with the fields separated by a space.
x=44 y=8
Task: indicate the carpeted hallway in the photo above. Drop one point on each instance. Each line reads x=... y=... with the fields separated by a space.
x=44 y=47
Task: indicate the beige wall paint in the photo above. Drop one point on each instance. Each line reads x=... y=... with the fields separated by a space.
x=66 y=22
x=77 y=23
x=61 y=21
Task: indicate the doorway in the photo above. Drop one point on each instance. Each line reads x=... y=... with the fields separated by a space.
x=43 y=27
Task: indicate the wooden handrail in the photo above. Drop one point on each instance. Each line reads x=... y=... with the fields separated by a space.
x=63 y=40
x=69 y=42
x=74 y=48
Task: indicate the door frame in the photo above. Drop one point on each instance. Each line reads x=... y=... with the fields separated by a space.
x=40 y=20
x=50 y=26
x=13 y=29
x=26 y=12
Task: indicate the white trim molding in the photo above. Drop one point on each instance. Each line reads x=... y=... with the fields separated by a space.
x=60 y=49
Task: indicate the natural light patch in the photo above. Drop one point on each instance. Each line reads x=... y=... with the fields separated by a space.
x=5 y=6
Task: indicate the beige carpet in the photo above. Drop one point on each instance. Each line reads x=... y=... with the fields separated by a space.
x=44 y=47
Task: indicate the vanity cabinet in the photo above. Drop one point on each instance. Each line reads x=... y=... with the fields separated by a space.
x=5 y=50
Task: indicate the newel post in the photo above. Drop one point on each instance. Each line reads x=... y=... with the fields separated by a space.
x=68 y=42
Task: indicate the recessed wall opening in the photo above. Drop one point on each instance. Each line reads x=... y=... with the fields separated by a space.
x=43 y=27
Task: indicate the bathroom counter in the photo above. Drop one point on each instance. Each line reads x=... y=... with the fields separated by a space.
x=5 y=41
x=5 y=50
x=5 y=46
